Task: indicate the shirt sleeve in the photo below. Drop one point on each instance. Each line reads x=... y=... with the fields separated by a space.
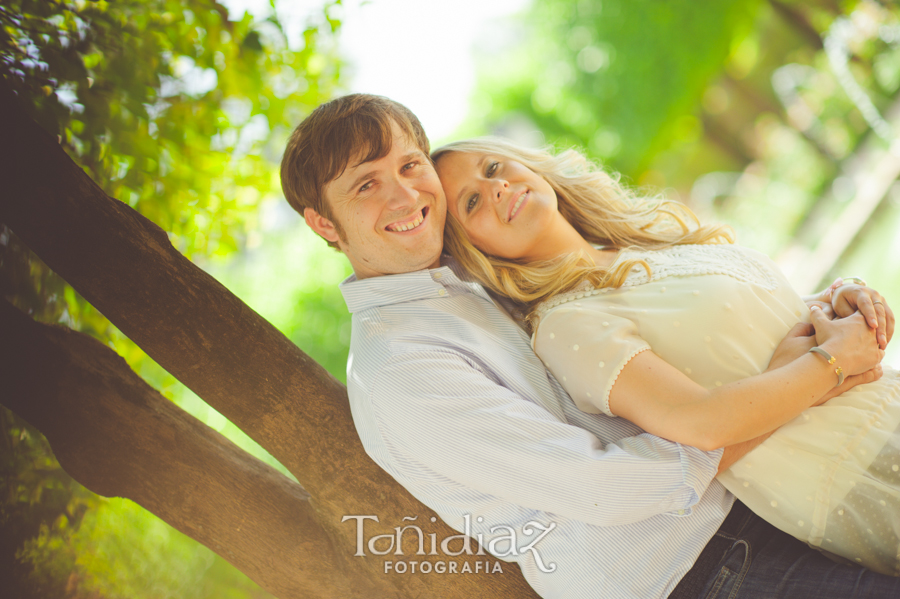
x=586 y=348
x=445 y=421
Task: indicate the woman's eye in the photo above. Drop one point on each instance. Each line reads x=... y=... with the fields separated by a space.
x=408 y=166
x=492 y=169
x=470 y=205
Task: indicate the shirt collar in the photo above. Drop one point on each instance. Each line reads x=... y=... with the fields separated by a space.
x=387 y=290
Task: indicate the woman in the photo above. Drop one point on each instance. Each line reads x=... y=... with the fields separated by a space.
x=605 y=276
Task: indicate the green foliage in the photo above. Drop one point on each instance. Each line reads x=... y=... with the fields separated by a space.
x=119 y=552
x=178 y=111
x=167 y=104
x=733 y=107
x=620 y=78
x=38 y=496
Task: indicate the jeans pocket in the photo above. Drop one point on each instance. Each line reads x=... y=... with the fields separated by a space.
x=722 y=584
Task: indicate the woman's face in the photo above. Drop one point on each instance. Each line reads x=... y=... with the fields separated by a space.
x=506 y=208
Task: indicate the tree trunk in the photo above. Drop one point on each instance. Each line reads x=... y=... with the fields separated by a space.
x=117 y=436
x=221 y=349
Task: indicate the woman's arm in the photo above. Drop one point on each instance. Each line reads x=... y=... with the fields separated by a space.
x=735 y=452
x=663 y=401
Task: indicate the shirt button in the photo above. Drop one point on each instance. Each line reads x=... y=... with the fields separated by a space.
x=681 y=512
x=437 y=275
x=442 y=292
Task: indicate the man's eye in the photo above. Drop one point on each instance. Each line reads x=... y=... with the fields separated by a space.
x=365 y=186
x=492 y=169
x=408 y=166
x=470 y=205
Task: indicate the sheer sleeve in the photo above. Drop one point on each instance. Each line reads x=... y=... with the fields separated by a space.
x=586 y=348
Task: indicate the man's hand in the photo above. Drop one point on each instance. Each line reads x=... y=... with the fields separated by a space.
x=852 y=381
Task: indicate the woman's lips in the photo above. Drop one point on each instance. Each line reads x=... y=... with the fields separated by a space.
x=517 y=205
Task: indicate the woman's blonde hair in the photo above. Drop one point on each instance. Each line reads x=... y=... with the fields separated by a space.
x=601 y=209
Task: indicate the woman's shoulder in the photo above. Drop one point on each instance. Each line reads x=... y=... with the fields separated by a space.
x=687 y=260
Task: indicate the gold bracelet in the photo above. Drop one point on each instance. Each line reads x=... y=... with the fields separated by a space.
x=831 y=360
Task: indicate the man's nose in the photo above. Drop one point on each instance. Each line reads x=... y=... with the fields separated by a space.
x=403 y=195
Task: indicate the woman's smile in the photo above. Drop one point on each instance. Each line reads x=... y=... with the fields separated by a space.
x=516 y=205
x=506 y=209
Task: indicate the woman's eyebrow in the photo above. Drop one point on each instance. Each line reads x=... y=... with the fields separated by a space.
x=464 y=190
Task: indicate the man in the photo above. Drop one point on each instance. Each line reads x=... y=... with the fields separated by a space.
x=449 y=398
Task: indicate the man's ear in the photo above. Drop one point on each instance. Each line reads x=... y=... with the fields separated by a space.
x=321 y=225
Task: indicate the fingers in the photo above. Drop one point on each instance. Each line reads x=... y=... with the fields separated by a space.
x=885 y=320
x=871 y=305
x=879 y=308
x=816 y=317
x=868 y=376
x=801 y=329
x=889 y=319
x=881 y=329
x=867 y=309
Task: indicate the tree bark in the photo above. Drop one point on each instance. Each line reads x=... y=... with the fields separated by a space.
x=119 y=437
x=217 y=346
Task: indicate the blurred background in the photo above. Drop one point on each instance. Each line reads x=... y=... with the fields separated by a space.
x=777 y=117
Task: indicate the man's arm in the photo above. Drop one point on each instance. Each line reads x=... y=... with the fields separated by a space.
x=445 y=422
x=735 y=452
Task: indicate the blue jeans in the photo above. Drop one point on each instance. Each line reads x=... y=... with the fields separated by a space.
x=764 y=563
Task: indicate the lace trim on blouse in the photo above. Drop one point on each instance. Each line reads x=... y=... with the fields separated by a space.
x=679 y=261
x=612 y=382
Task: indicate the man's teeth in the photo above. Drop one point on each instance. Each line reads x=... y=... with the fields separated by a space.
x=408 y=226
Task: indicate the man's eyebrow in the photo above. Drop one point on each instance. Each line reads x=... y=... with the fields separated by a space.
x=368 y=174
x=358 y=180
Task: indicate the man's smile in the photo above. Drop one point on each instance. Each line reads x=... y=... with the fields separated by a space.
x=413 y=222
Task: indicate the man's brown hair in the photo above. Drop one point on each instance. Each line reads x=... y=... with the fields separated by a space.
x=355 y=127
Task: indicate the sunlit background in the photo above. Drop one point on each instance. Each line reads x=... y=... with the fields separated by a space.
x=777 y=117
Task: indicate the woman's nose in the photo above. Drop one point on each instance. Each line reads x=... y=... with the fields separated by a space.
x=500 y=188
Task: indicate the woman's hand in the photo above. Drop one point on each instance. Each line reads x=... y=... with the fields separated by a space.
x=847 y=299
x=799 y=341
x=850 y=340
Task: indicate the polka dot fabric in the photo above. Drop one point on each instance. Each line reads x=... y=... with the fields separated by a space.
x=831 y=477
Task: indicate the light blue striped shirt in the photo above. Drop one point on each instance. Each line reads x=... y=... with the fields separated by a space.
x=449 y=398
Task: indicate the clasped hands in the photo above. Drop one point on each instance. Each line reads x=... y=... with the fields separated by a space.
x=841 y=301
x=862 y=326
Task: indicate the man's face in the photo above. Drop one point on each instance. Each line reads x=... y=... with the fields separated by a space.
x=391 y=212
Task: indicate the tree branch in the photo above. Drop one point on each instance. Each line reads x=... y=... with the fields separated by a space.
x=207 y=338
x=119 y=437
